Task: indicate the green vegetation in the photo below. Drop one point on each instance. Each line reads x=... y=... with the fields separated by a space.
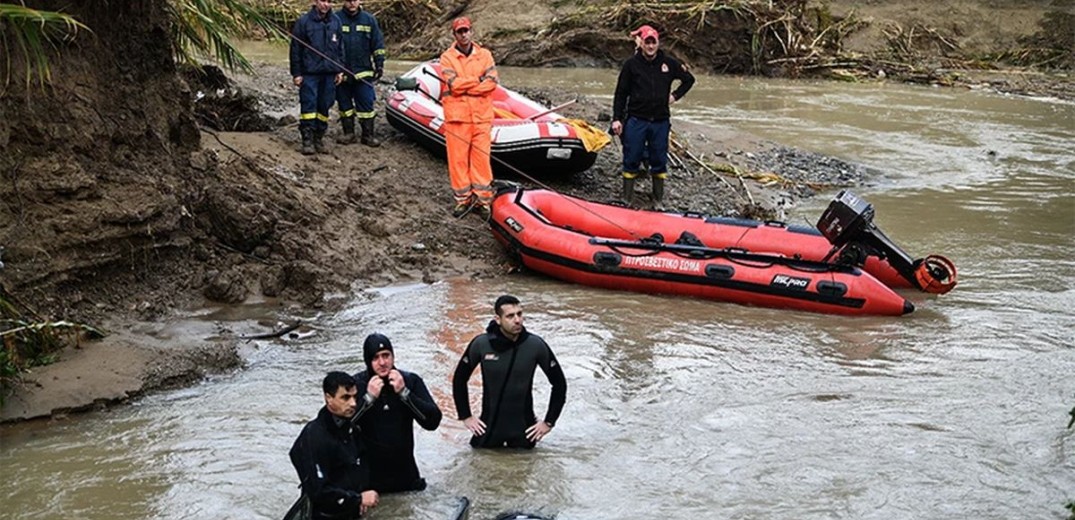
x=202 y=28
x=29 y=340
x=1070 y=506
x=206 y=27
x=31 y=34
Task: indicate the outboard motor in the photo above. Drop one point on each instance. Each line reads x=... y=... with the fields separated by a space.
x=848 y=225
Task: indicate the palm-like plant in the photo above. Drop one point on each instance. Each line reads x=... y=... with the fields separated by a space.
x=30 y=33
x=203 y=28
x=200 y=28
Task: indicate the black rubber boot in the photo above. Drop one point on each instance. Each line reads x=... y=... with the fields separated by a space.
x=348 y=136
x=319 y=143
x=628 y=191
x=658 y=193
x=307 y=141
x=368 y=138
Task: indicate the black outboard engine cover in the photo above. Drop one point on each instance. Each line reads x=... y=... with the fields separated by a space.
x=848 y=225
x=846 y=218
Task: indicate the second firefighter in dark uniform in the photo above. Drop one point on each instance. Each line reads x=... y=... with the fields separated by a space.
x=363 y=48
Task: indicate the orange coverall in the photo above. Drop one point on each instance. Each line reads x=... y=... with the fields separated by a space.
x=469 y=82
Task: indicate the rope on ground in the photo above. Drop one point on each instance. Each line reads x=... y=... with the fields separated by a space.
x=710 y=170
x=246 y=160
x=769 y=178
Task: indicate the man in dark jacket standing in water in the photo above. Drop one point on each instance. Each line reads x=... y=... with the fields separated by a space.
x=394 y=399
x=508 y=355
x=640 y=112
x=330 y=458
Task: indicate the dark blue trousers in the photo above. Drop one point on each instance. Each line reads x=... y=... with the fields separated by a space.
x=316 y=96
x=649 y=140
x=356 y=98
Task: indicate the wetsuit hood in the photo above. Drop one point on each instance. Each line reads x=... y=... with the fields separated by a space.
x=501 y=343
x=375 y=343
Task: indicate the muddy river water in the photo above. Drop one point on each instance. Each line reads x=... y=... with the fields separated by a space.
x=682 y=408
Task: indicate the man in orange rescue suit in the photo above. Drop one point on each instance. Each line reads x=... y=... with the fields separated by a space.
x=469 y=77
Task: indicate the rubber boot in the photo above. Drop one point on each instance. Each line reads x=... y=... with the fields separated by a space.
x=307 y=141
x=658 y=193
x=348 y=136
x=628 y=191
x=319 y=143
x=368 y=138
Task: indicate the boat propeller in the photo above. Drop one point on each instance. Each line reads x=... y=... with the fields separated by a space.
x=848 y=225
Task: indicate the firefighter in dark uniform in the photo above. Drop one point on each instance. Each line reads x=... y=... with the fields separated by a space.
x=363 y=49
x=316 y=68
x=330 y=458
x=508 y=355
x=640 y=111
x=394 y=399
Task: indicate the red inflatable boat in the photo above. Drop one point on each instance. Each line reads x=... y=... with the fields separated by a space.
x=742 y=261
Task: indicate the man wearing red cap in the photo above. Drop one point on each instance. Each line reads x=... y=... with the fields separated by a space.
x=640 y=111
x=469 y=76
x=637 y=35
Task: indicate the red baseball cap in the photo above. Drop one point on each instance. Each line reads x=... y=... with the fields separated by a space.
x=460 y=23
x=647 y=32
x=638 y=31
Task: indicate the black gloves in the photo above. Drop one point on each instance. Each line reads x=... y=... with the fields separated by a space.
x=378 y=73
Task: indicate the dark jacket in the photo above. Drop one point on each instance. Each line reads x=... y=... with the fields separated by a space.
x=363 y=43
x=329 y=460
x=388 y=432
x=323 y=34
x=643 y=87
x=507 y=385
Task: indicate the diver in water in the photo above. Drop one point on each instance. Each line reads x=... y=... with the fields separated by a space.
x=508 y=355
x=393 y=401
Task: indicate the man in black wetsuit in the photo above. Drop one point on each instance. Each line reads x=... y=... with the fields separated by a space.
x=330 y=458
x=394 y=399
x=508 y=355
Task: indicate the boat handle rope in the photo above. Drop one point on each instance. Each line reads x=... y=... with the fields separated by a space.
x=738 y=256
x=633 y=255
